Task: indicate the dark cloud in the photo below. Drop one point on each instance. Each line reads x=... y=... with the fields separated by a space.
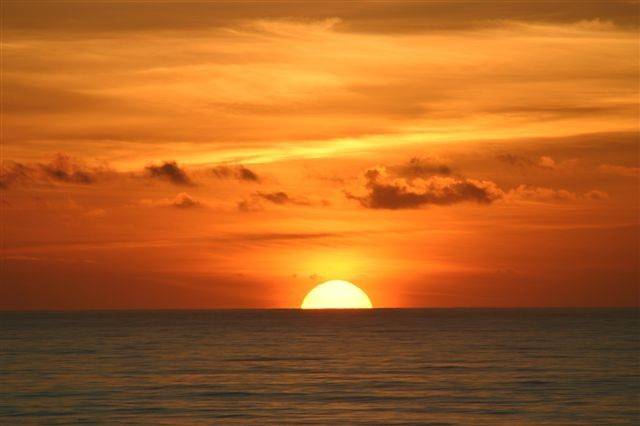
x=223 y=172
x=61 y=169
x=383 y=188
x=248 y=206
x=419 y=168
x=331 y=179
x=255 y=202
x=278 y=197
x=247 y=174
x=385 y=192
x=64 y=169
x=181 y=201
x=171 y=172
x=239 y=172
x=515 y=160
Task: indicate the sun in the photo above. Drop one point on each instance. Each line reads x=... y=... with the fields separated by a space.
x=336 y=294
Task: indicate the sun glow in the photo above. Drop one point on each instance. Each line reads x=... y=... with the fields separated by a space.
x=336 y=294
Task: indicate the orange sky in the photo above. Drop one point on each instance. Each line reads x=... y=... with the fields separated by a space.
x=236 y=154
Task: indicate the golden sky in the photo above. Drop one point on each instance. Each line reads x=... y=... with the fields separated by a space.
x=236 y=154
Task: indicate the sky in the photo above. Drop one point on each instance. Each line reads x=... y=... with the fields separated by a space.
x=192 y=155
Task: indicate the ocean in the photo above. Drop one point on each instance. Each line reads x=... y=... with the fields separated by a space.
x=380 y=366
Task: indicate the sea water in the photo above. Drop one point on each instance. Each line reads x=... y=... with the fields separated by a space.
x=381 y=366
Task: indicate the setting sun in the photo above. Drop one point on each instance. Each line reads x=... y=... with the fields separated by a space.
x=336 y=294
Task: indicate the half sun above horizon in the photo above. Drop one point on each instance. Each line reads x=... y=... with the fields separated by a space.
x=336 y=294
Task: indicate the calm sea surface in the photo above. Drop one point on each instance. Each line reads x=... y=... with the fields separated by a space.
x=439 y=367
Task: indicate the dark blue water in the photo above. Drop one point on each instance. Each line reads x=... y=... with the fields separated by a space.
x=262 y=367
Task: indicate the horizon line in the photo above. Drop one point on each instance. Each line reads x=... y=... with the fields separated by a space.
x=414 y=308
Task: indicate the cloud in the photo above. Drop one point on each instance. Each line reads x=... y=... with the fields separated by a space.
x=169 y=171
x=247 y=174
x=61 y=169
x=13 y=173
x=185 y=201
x=249 y=205
x=536 y=193
x=419 y=167
x=181 y=201
x=386 y=188
x=595 y=194
x=384 y=191
x=278 y=197
x=358 y=87
x=544 y=162
x=239 y=172
x=255 y=202
x=515 y=160
x=617 y=170
x=542 y=194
